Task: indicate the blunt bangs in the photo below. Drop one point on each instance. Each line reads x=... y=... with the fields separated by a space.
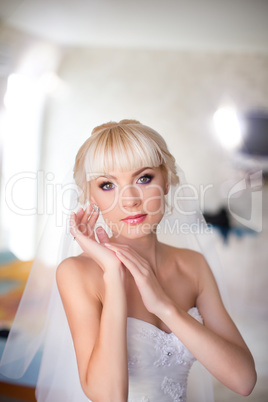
x=121 y=149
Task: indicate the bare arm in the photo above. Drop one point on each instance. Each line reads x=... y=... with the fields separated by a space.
x=93 y=293
x=217 y=344
x=98 y=330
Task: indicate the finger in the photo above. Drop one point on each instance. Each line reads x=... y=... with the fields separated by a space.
x=75 y=220
x=79 y=214
x=93 y=217
x=130 y=265
x=92 y=222
x=86 y=214
x=74 y=225
x=86 y=220
x=131 y=257
x=75 y=230
x=132 y=254
x=102 y=235
x=116 y=246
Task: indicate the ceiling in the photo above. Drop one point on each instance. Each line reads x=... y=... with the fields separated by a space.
x=217 y=25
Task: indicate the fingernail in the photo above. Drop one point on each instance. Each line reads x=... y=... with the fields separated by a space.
x=95 y=207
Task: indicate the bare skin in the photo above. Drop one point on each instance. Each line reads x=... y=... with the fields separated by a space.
x=135 y=275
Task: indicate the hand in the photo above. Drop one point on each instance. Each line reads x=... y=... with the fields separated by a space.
x=82 y=226
x=152 y=293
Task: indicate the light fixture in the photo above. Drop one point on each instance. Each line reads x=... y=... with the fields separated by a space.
x=227 y=127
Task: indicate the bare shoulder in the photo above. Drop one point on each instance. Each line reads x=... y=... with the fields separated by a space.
x=197 y=266
x=80 y=271
x=188 y=261
x=181 y=273
x=193 y=266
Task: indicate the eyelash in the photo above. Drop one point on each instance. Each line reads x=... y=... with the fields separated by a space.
x=105 y=183
x=148 y=176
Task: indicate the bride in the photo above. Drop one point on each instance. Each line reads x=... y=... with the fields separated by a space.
x=140 y=311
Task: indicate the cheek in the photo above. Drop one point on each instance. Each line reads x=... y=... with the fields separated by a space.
x=154 y=202
x=106 y=201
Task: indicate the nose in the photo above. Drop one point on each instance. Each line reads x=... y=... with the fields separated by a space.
x=131 y=196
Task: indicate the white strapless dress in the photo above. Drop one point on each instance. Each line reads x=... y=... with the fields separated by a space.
x=158 y=362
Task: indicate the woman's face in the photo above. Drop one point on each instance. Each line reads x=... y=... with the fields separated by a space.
x=132 y=203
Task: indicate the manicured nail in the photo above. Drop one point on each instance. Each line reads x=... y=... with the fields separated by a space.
x=95 y=207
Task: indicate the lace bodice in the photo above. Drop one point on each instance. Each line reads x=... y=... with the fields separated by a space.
x=158 y=363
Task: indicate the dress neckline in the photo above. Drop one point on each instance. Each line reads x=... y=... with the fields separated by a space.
x=193 y=311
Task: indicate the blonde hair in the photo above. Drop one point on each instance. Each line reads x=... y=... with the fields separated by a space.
x=123 y=146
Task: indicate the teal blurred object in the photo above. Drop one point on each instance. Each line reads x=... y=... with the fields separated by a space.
x=7 y=256
x=30 y=376
x=8 y=285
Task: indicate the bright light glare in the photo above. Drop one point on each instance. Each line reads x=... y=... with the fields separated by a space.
x=24 y=103
x=53 y=85
x=227 y=127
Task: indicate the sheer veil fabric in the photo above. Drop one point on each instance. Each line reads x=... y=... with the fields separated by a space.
x=40 y=325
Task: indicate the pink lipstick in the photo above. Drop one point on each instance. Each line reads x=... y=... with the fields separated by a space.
x=135 y=219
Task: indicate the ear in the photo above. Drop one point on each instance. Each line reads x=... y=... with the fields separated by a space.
x=166 y=188
x=166 y=178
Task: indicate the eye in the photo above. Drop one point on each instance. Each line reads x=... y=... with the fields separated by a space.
x=145 y=179
x=106 y=186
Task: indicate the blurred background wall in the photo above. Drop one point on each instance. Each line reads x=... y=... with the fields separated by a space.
x=66 y=67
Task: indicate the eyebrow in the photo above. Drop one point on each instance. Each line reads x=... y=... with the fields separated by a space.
x=136 y=173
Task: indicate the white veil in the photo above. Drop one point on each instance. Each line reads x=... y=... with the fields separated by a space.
x=40 y=325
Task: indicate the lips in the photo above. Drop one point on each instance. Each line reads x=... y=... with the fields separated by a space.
x=135 y=219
